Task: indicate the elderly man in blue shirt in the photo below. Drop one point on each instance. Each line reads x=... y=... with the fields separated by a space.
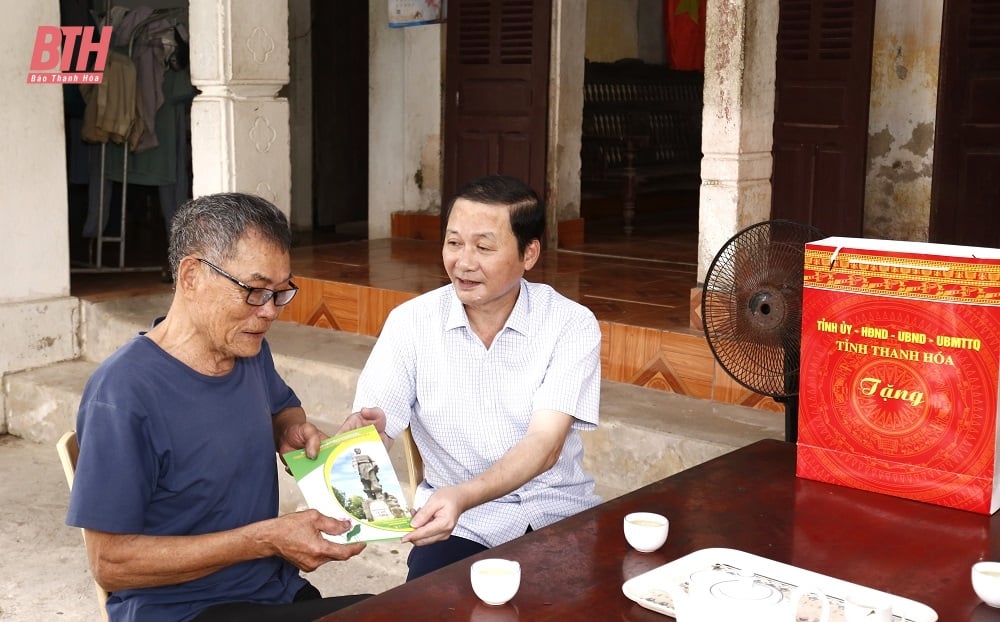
x=176 y=487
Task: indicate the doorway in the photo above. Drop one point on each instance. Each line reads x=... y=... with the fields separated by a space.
x=631 y=79
x=340 y=116
x=124 y=185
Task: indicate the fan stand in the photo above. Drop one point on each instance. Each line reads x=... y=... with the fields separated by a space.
x=791 y=403
x=770 y=310
x=790 y=398
x=791 y=417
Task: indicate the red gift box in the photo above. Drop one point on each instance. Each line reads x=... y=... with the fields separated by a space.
x=899 y=359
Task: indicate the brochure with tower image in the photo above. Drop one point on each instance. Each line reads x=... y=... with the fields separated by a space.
x=352 y=478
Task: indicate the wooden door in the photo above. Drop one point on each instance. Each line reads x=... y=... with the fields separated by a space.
x=822 y=88
x=340 y=112
x=965 y=192
x=496 y=91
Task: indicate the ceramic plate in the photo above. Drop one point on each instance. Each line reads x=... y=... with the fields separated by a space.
x=772 y=582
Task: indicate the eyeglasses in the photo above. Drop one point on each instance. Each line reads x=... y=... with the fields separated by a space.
x=258 y=296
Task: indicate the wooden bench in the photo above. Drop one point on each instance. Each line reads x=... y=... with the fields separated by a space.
x=641 y=130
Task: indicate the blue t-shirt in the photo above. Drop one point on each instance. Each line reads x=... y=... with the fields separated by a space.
x=165 y=450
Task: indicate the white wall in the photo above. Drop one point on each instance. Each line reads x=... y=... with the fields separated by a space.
x=34 y=244
x=38 y=319
x=386 y=121
x=422 y=84
x=612 y=30
x=404 y=119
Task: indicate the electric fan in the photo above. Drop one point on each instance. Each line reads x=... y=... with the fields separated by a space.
x=751 y=308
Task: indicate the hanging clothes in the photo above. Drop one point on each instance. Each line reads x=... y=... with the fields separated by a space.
x=167 y=165
x=152 y=44
x=157 y=166
x=112 y=109
x=158 y=140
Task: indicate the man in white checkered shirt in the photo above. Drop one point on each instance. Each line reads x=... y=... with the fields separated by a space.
x=495 y=377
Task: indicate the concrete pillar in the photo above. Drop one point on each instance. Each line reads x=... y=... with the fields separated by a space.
x=906 y=55
x=737 y=121
x=239 y=125
x=569 y=25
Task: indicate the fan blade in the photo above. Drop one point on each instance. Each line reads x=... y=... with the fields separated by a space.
x=752 y=305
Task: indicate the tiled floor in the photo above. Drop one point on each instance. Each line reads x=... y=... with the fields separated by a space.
x=639 y=289
x=108 y=285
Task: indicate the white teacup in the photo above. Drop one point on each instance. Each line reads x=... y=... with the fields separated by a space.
x=863 y=606
x=986 y=582
x=495 y=581
x=646 y=531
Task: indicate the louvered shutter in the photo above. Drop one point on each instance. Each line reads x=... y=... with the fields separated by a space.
x=496 y=90
x=965 y=192
x=822 y=86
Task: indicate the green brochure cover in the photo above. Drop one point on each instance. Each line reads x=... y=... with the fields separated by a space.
x=353 y=479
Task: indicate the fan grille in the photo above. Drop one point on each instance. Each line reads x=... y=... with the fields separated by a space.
x=752 y=305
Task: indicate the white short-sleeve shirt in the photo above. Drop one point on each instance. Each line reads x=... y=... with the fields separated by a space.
x=467 y=405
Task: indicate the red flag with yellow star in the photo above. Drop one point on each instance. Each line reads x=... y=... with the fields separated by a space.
x=684 y=24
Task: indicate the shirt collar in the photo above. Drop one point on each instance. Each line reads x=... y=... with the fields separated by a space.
x=517 y=320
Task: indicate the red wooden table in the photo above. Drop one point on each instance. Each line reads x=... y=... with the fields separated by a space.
x=749 y=500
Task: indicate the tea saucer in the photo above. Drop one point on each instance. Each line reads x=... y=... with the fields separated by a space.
x=746 y=590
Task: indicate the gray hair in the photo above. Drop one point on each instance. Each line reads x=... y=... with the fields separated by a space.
x=211 y=226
